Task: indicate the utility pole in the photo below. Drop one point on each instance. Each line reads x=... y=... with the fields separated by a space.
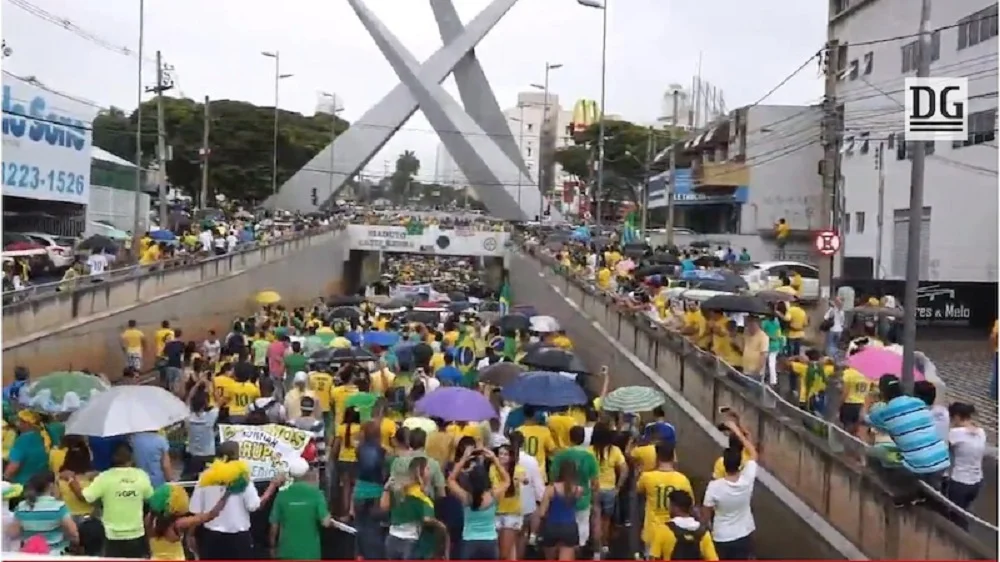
x=880 y=218
x=520 y=147
x=673 y=171
x=137 y=199
x=644 y=218
x=916 y=217
x=205 y=152
x=831 y=155
x=163 y=83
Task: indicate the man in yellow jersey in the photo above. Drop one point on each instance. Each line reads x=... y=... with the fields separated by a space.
x=857 y=388
x=643 y=455
x=162 y=336
x=560 y=423
x=812 y=374
x=339 y=394
x=321 y=385
x=538 y=440
x=657 y=485
x=683 y=537
x=239 y=394
x=781 y=231
x=133 y=343
x=797 y=319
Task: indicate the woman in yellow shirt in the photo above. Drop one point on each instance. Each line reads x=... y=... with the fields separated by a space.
x=509 y=518
x=611 y=475
x=72 y=464
x=344 y=449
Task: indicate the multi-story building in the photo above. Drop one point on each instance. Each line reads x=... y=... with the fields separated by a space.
x=539 y=133
x=737 y=178
x=697 y=106
x=877 y=51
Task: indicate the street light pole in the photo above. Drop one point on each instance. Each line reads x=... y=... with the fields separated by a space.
x=603 y=6
x=333 y=139
x=137 y=200
x=541 y=131
x=520 y=148
x=278 y=76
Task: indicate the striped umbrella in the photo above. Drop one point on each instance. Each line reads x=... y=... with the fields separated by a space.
x=633 y=399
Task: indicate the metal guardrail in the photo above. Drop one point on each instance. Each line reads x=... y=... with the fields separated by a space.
x=839 y=441
x=45 y=290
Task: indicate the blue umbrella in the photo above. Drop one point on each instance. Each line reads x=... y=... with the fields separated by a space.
x=381 y=339
x=581 y=233
x=544 y=388
x=163 y=235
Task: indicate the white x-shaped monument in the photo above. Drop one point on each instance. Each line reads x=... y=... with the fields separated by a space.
x=477 y=136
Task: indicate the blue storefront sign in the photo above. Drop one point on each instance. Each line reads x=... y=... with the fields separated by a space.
x=46 y=144
x=684 y=194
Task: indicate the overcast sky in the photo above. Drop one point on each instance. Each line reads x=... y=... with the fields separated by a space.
x=215 y=45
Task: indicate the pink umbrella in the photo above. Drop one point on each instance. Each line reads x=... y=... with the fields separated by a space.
x=873 y=362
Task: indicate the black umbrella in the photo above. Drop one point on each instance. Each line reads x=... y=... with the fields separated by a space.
x=396 y=303
x=664 y=259
x=489 y=306
x=428 y=317
x=701 y=244
x=352 y=355
x=653 y=270
x=708 y=261
x=635 y=249
x=500 y=374
x=456 y=296
x=554 y=359
x=344 y=300
x=345 y=313
x=714 y=280
x=778 y=296
x=514 y=323
x=98 y=242
x=737 y=303
x=461 y=306
x=324 y=355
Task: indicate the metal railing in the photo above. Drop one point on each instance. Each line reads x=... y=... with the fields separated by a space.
x=45 y=290
x=838 y=442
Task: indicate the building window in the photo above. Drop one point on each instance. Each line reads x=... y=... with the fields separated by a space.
x=869 y=62
x=977 y=28
x=909 y=57
x=529 y=151
x=841 y=60
x=859 y=222
x=982 y=128
x=901 y=149
x=891 y=141
x=935 y=45
x=847 y=223
x=854 y=70
x=531 y=126
x=864 y=143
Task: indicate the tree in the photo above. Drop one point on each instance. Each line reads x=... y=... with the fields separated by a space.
x=626 y=152
x=407 y=167
x=241 y=143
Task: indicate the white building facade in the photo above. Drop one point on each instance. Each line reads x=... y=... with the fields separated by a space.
x=959 y=226
x=539 y=133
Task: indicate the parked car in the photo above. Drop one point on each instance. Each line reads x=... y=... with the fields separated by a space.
x=59 y=248
x=764 y=275
x=17 y=245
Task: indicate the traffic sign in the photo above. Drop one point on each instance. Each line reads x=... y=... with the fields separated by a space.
x=827 y=242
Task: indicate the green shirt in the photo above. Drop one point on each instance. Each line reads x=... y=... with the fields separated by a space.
x=772 y=327
x=295 y=362
x=399 y=471
x=587 y=471
x=122 y=492
x=259 y=347
x=299 y=510
x=408 y=510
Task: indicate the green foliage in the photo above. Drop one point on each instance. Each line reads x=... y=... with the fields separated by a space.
x=241 y=142
x=626 y=153
x=401 y=181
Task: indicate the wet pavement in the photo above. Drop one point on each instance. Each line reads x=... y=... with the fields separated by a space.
x=966 y=366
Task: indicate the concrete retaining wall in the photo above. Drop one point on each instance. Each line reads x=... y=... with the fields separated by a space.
x=82 y=329
x=843 y=493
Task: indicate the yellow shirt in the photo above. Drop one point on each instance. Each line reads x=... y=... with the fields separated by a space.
x=348 y=447
x=664 y=541
x=797 y=321
x=781 y=230
x=722 y=343
x=612 y=258
x=472 y=430
x=796 y=281
x=560 y=424
x=657 y=485
x=607 y=474
x=339 y=396
x=719 y=468
x=243 y=394
x=9 y=435
x=538 y=442
x=387 y=430
x=162 y=336
x=808 y=389
x=856 y=386
x=450 y=338
x=132 y=338
x=695 y=319
x=57 y=456
x=320 y=384
x=604 y=278
x=150 y=255
x=645 y=457
x=223 y=386
x=510 y=503
x=75 y=505
x=436 y=362
x=377 y=378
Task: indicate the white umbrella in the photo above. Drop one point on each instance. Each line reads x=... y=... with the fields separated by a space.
x=544 y=324
x=127 y=409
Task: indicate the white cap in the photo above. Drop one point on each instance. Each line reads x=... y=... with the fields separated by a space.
x=301 y=376
x=297 y=467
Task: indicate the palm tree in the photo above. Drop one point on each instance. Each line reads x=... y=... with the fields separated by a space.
x=407 y=167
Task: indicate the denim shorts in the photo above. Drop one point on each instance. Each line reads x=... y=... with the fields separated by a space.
x=607 y=500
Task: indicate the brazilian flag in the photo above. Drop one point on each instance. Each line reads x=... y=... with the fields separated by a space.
x=464 y=354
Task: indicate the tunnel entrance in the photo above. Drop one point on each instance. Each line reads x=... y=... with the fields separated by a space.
x=363 y=267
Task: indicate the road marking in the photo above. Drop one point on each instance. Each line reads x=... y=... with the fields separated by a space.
x=812 y=518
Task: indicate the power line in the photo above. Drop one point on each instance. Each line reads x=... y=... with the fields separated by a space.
x=915 y=35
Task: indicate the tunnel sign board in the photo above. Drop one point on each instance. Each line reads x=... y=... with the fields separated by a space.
x=431 y=240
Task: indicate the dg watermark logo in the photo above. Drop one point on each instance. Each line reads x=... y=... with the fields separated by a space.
x=936 y=109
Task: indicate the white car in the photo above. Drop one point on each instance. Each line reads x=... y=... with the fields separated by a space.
x=764 y=276
x=59 y=248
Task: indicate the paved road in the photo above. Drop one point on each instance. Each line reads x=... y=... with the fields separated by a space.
x=776 y=523
x=966 y=366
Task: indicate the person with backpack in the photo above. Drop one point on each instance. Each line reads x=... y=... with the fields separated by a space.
x=683 y=537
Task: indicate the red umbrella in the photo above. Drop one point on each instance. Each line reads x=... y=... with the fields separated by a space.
x=22 y=246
